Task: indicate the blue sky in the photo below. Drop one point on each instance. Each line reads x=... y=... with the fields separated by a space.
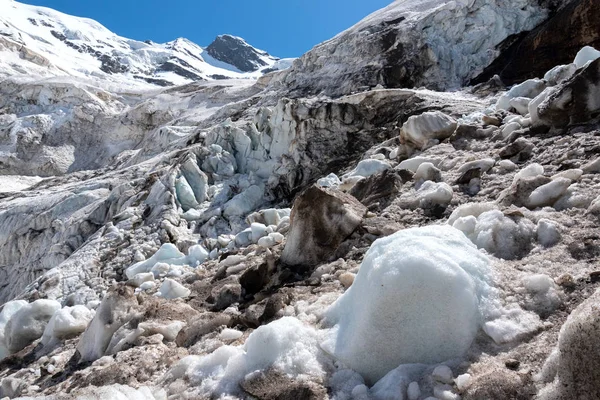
x=285 y=28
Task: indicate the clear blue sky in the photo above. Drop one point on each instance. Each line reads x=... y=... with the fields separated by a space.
x=284 y=28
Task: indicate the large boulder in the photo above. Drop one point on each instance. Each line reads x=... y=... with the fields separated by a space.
x=321 y=219
x=576 y=363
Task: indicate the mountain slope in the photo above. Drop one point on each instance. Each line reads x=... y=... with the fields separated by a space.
x=39 y=41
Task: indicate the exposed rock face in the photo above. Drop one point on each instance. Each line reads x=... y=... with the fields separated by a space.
x=321 y=218
x=413 y=43
x=538 y=51
x=235 y=51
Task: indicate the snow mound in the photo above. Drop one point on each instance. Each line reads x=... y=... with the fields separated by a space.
x=286 y=344
x=498 y=234
x=416 y=299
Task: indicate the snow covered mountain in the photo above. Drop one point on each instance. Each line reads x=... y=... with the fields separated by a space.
x=38 y=41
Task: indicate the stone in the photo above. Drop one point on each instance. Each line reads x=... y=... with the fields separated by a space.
x=578 y=367
x=321 y=219
x=378 y=189
x=274 y=385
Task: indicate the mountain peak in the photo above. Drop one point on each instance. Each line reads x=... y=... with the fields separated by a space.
x=236 y=51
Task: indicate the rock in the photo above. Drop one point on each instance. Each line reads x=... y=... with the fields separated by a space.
x=201 y=325
x=423 y=130
x=541 y=49
x=226 y=295
x=518 y=151
x=578 y=369
x=274 y=385
x=235 y=51
x=378 y=189
x=255 y=278
x=512 y=364
x=321 y=219
x=574 y=101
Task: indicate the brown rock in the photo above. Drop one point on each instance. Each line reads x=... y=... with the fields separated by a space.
x=320 y=220
x=274 y=385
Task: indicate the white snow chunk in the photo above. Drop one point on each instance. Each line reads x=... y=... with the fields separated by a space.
x=549 y=193
x=167 y=252
x=470 y=209
x=548 y=233
x=512 y=323
x=258 y=230
x=559 y=73
x=197 y=255
x=497 y=234
x=140 y=278
x=286 y=344
x=538 y=283
x=427 y=128
x=507 y=165
x=330 y=180
x=432 y=193
x=28 y=323
x=585 y=55
x=412 y=164
x=529 y=171
x=530 y=88
x=520 y=104
x=463 y=381
x=66 y=323
x=8 y=310
x=243 y=203
x=396 y=384
x=171 y=289
x=443 y=374
x=510 y=128
x=572 y=174
x=592 y=167
x=484 y=165
x=414 y=391
x=230 y=334
x=369 y=167
x=418 y=305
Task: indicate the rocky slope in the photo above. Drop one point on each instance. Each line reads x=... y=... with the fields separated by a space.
x=334 y=230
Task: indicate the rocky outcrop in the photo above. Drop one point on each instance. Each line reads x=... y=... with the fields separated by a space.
x=235 y=51
x=321 y=219
x=535 y=52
